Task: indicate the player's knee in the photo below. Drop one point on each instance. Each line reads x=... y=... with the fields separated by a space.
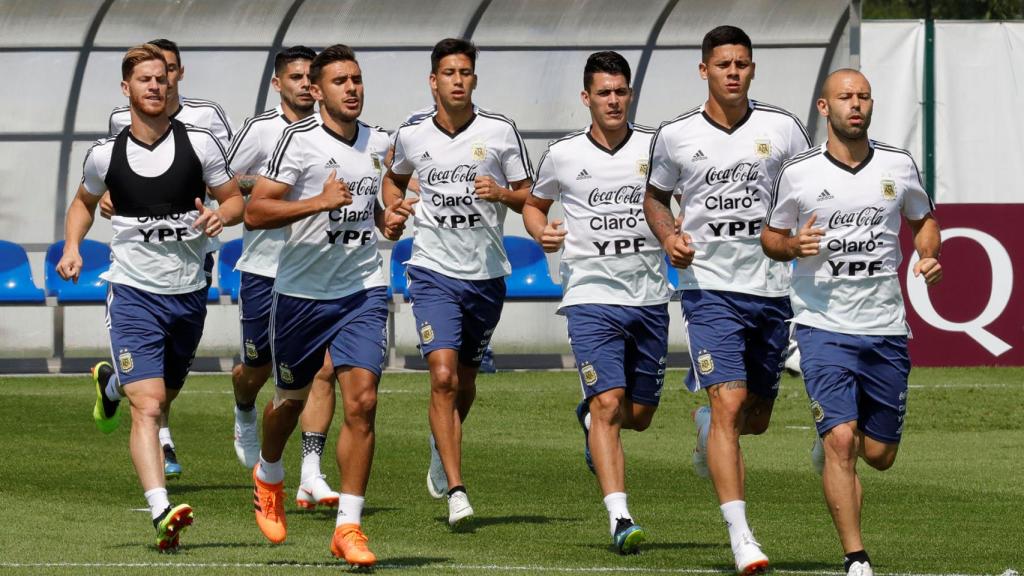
x=642 y=421
x=362 y=405
x=147 y=408
x=841 y=442
x=606 y=406
x=443 y=379
x=756 y=425
x=882 y=459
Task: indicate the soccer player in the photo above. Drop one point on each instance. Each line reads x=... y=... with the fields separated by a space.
x=472 y=167
x=845 y=199
x=330 y=292
x=157 y=170
x=613 y=276
x=250 y=150
x=193 y=112
x=721 y=158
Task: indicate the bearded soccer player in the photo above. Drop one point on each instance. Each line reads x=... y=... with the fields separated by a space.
x=193 y=112
x=157 y=171
x=846 y=199
x=721 y=158
x=613 y=277
x=472 y=167
x=330 y=292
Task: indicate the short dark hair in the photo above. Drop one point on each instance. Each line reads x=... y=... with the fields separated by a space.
x=289 y=55
x=722 y=36
x=336 y=53
x=170 y=46
x=450 y=46
x=137 y=55
x=608 y=62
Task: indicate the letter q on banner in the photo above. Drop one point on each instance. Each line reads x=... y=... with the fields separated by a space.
x=1002 y=288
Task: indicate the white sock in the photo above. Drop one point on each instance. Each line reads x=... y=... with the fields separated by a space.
x=110 y=390
x=735 y=514
x=246 y=416
x=165 y=438
x=586 y=421
x=270 y=472
x=157 y=500
x=350 y=509
x=310 y=466
x=616 y=505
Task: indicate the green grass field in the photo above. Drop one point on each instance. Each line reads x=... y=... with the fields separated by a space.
x=952 y=504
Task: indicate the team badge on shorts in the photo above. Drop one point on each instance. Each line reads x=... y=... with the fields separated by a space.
x=641 y=167
x=705 y=363
x=817 y=412
x=250 y=350
x=479 y=151
x=285 y=373
x=426 y=333
x=125 y=360
x=889 y=189
x=763 y=147
x=589 y=373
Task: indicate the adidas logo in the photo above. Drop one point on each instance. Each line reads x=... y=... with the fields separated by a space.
x=425 y=156
x=583 y=175
x=699 y=156
x=332 y=164
x=825 y=196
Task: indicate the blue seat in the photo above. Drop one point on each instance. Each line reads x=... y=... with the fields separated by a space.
x=228 y=278
x=530 y=278
x=672 y=274
x=400 y=252
x=16 y=283
x=90 y=287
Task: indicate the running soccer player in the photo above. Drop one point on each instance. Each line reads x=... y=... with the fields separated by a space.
x=330 y=292
x=250 y=150
x=192 y=112
x=472 y=167
x=845 y=199
x=157 y=170
x=721 y=158
x=613 y=276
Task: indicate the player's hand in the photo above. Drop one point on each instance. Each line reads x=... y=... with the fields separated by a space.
x=106 y=205
x=335 y=193
x=487 y=189
x=70 y=265
x=396 y=215
x=552 y=238
x=209 y=221
x=931 y=269
x=680 y=253
x=808 y=239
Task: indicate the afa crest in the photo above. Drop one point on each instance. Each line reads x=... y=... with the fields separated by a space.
x=479 y=151
x=286 y=373
x=376 y=162
x=763 y=147
x=250 y=350
x=589 y=373
x=126 y=361
x=817 y=412
x=642 y=167
x=426 y=333
x=705 y=363
x=889 y=189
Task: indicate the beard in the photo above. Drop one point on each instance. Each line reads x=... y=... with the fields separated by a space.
x=847 y=132
x=148 y=107
x=298 y=106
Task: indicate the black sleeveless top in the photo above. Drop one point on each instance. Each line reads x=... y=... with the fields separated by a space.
x=173 y=192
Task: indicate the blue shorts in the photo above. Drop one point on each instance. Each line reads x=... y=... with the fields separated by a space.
x=354 y=329
x=736 y=336
x=154 y=335
x=620 y=347
x=855 y=378
x=255 y=296
x=454 y=314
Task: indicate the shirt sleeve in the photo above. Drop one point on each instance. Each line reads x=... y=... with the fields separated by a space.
x=115 y=124
x=94 y=170
x=664 y=172
x=285 y=165
x=214 y=161
x=515 y=161
x=799 y=140
x=784 y=209
x=916 y=202
x=220 y=125
x=243 y=156
x=400 y=163
x=546 y=185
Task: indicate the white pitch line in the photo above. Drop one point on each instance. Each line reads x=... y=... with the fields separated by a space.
x=456 y=567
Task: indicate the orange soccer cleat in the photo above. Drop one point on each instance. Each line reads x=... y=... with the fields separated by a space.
x=268 y=503
x=349 y=543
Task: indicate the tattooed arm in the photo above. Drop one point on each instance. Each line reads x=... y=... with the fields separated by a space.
x=658 y=213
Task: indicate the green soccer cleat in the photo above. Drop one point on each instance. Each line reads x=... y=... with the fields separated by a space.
x=628 y=536
x=170 y=525
x=106 y=413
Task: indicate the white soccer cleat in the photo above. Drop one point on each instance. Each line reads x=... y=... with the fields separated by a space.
x=315 y=492
x=458 y=509
x=818 y=455
x=702 y=420
x=749 y=558
x=247 y=440
x=437 y=480
x=860 y=569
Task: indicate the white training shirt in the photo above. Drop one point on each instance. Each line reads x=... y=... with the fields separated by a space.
x=140 y=259
x=725 y=177
x=851 y=286
x=330 y=255
x=610 y=255
x=191 y=111
x=458 y=234
x=250 y=151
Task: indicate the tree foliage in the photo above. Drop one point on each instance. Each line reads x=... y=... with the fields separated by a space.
x=944 y=9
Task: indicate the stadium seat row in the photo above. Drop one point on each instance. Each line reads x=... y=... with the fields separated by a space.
x=530 y=279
